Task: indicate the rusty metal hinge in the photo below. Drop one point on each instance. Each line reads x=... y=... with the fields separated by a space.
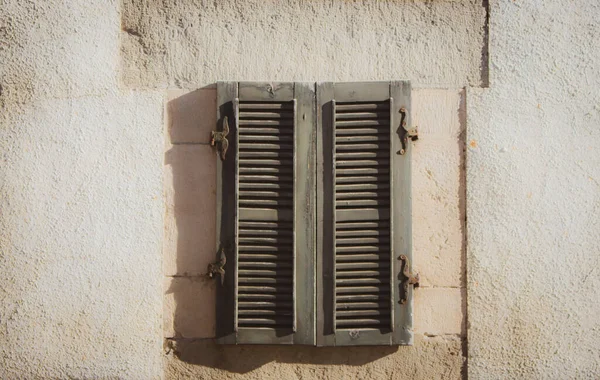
x=406 y=133
x=218 y=267
x=221 y=138
x=409 y=278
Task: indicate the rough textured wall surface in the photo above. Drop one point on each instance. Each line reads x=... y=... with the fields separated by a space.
x=533 y=175
x=189 y=43
x=438 y=242
x=81 y=202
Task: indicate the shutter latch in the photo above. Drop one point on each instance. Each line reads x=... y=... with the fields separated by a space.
x=409 y=278
x=405 y=134
x=218 y=268
x=221 y=137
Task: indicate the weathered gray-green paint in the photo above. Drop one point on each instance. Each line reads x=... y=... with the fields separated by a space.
x=299 y=216
x=314 y=213
x=332 y=97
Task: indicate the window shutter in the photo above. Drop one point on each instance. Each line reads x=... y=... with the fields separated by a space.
x=266 y=218
x=363 y=214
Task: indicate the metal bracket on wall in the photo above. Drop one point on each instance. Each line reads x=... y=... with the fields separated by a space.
x=221 y=138
x=405 y=134
x=218 y=268
x=409 y=278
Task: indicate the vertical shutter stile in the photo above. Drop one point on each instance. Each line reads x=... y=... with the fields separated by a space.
x=391 y=185
x=236 y=114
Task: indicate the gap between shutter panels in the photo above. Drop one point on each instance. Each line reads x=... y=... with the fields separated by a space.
x=265 y=290
x=363 y=298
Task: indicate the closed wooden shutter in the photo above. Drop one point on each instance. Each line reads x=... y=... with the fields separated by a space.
x=266 y=218
x=363 y=213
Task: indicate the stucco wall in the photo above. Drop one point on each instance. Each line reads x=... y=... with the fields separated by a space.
x=533 y=185
x=105 y=108
x=81 y=204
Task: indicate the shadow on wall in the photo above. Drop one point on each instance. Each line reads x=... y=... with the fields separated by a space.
x=245 y=358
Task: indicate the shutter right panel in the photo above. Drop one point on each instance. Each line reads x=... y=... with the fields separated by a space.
x=364 y=214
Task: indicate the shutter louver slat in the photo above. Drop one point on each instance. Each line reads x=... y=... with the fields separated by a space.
x=362 y=205
x=265 y=273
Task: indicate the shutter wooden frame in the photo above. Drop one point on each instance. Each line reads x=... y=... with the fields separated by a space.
x=398 y=94
x=229 y=97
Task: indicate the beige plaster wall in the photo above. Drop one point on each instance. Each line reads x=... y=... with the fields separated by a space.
x=533 y=185
x=187 y=43
x=81 y=204
x=439 y=248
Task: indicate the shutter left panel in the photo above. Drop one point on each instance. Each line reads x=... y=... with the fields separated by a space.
x=265 y=255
